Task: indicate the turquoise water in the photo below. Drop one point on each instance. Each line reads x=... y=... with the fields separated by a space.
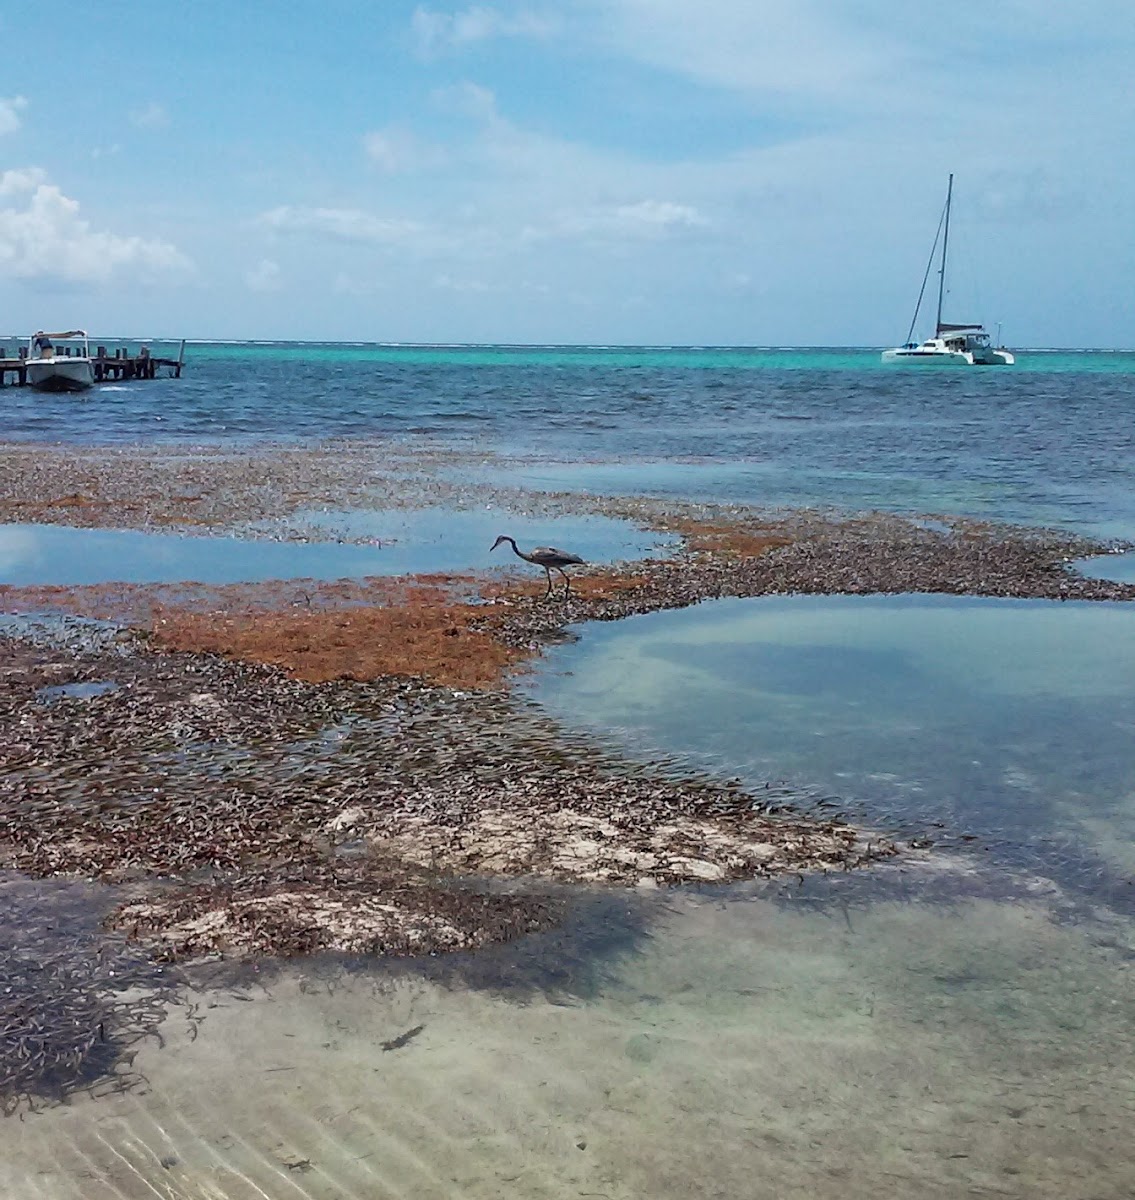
x=664 y=357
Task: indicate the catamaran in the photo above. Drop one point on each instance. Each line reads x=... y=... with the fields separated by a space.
x=951 y=345
x=53 y=368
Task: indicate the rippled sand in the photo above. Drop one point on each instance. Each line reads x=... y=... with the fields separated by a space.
x=900 y=1050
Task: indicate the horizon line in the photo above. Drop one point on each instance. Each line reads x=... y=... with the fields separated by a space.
x=454 y=345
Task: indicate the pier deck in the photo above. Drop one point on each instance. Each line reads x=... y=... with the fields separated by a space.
x=110 y=366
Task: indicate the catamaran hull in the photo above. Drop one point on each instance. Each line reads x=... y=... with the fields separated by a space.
x=929 y=358
x=994 y=358
x=61 y=374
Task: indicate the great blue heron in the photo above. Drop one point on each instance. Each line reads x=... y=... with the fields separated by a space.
x=547 y=557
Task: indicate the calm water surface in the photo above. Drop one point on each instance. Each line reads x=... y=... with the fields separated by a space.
x=1011 y=720
x=396 y=542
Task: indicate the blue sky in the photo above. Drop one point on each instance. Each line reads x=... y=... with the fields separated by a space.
x=611 y=171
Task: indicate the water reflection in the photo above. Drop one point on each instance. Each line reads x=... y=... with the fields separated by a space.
x=462 y=537
x=403 y=542
x=1008 y=723
x=1120 y=567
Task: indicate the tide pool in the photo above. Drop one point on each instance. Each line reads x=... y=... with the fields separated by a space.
x=1010 y=722
x=400 y=542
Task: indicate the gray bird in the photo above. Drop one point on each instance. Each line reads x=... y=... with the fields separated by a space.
x=547 y=557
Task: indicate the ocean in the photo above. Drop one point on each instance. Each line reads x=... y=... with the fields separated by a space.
x=1050 y=441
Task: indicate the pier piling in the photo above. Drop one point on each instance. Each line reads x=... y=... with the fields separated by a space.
x=115 y=366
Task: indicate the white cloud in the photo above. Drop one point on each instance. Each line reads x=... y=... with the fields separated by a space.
x=10 y=110
x=21 y=179
x=397 y=151
x=837 y=61
x=449 y=284
x=756 y=46
x=468 y=100
x=440 y=31
x=651 y=219
x=153 y=116
x=344 y=224
x=264 y=277
x=47 y=239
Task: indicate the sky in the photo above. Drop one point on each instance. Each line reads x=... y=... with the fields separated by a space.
x=743 y=172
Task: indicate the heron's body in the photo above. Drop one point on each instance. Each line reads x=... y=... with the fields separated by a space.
x=547 y=557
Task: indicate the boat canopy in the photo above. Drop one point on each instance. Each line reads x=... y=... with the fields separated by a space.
x=69 y=334
x=943 y=327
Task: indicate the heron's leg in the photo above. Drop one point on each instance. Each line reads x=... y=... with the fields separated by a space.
x=548 y=572
x=567 y=581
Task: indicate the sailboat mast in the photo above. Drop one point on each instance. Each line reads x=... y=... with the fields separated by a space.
x=942 y=270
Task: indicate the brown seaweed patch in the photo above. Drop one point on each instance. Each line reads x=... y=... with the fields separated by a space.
x=418 y=639
x=736 y=539
x=419 y=630
x=250 y=811
x=74 y=500
x=212 y=486
x=599 y=583
x=138 y=604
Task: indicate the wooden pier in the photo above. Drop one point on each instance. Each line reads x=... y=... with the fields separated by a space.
x=110 y=366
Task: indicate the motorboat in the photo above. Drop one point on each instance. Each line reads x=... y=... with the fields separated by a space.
x=952 y=345
x=60 y=362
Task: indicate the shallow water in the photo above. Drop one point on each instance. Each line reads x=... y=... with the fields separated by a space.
x=74 y=691
x=808 y=476
x=1120 y=567
x=1010 y=721
x=890 y=1051
x=958 y=1023
x=403 y=542
x=459 y=538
